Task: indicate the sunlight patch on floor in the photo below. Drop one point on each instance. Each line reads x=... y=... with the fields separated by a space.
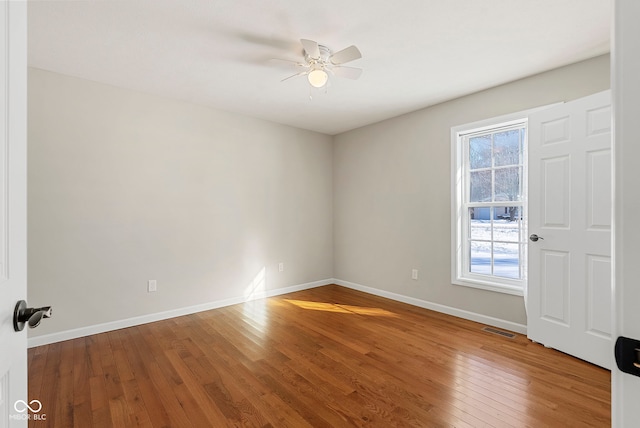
x=345 y=309
x=256 y=315
x=254 y=309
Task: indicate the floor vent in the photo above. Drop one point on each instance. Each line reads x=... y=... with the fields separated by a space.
x=499 y=332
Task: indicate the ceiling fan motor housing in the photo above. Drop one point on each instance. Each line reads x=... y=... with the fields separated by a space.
x=325 y=53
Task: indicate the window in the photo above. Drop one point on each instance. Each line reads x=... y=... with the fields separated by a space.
x=489 y=203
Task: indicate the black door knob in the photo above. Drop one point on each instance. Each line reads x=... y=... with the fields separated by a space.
x=31 y=316
x=535 y=237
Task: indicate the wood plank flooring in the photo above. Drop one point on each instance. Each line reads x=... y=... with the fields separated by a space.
x=325 y=357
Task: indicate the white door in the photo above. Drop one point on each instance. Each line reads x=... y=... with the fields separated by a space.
x=626 y=103
x=569 y=283
x=13 y=192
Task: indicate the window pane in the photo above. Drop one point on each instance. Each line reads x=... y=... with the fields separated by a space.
x=480 y=152
x=480 y=186
x=493 y=241
x=506 y=148
x=480 y=223
x=508 y=184
x=507 y=225
x=480 y=257
x=506 y=260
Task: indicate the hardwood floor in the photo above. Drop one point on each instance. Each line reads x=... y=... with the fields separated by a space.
x=325 y=357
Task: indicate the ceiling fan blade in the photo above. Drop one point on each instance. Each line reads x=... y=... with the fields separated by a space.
x=311 y=48
x=294 y=75
x=345 y=55
x=286 y=63
x=347 y=72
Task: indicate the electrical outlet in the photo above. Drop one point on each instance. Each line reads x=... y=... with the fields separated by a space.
x=152 y=286
x=280 y=267
x=414 y=273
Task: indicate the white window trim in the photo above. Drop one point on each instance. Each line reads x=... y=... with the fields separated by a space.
x=508 y=286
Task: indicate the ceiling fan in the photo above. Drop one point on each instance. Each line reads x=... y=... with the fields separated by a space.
x=320 y=62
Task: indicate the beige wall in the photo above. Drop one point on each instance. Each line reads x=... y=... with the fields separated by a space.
x=125 y=187
x=392 y=191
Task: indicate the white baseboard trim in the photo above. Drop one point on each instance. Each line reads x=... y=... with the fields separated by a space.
x=460 y=313
x=144 y=319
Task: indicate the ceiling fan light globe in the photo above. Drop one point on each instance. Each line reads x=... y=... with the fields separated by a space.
x=318 y=78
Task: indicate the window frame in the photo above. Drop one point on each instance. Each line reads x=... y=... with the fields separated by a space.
x=460 y=259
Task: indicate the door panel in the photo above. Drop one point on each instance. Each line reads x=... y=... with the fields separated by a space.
x=599 y=296
x=599 y=121
x=626 y=95
x=598 y=183
x=555 y=131
x=569 y=283
x=556 y=207
x=554 y=287
x=13 y=192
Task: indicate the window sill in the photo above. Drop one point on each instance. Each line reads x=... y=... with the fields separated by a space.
x=516 y=290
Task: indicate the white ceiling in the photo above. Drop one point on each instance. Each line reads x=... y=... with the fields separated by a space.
x=217 y=53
